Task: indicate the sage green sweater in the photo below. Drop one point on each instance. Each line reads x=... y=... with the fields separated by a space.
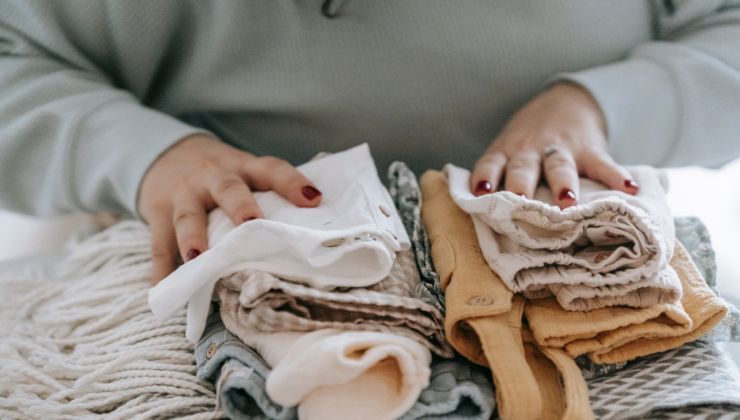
x=92 y=91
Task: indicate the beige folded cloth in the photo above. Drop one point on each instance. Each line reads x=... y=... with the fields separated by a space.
x=483 y=320
x=611 y=249
x=335 y=374
x=619 y=334
x=399 y=304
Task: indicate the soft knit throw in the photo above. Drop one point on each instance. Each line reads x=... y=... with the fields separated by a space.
x=611 y=249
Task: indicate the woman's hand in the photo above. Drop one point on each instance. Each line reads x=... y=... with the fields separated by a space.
x=561 y=133
x=199 y=174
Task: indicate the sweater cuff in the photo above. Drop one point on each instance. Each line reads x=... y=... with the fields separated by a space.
x=640 y=107
x=116 y=144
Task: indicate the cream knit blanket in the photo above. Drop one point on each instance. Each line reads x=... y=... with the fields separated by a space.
x=79 y=341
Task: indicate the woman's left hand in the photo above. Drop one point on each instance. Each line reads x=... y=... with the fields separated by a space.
x=559 y=134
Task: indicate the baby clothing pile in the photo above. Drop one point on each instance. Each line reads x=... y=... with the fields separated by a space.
x=330 y=297
x=338 y=312
x=529 y=287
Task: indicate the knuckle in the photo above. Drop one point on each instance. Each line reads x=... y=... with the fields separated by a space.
x=226 y=184
x=521 y=162
x=272 y=163
x=161 y=253
x=183 y=215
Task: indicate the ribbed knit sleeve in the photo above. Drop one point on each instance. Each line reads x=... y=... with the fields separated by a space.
x=676 y=100
x=69 y=140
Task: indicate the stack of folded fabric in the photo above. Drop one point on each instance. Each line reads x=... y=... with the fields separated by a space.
x=600 y=279
x=329 y=298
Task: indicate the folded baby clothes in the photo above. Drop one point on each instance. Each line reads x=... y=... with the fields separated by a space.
x=269 y=304
x=406 y=194
x=457 y=390
x=694 y=235
x=694 y=381
x=333 y=374
x=350 y=240
x=238 y=372
x=611 y=335
x=611 y=249
x=483 y=320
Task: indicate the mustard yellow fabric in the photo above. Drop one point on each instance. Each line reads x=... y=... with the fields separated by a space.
x=483 y=321
x=619 y=334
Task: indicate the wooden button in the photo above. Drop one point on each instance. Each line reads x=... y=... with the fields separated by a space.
x=211 y=350
x=480 y=301
x=331 y=243
x=385 y=211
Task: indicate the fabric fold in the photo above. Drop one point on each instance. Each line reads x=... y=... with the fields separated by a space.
x=395 y=305
x=613 y=335
x=350 y=240
x=484 y=320
x=612 y=249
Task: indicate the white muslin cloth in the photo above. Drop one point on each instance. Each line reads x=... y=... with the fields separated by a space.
x=611 y=249
x=350 y=240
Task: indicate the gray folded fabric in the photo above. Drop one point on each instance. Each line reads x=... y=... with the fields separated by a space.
x=406 y=195
x=238 y=372
x=457 y=389
x=697 y=374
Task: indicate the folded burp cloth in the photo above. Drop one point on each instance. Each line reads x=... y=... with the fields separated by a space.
x=611 y=249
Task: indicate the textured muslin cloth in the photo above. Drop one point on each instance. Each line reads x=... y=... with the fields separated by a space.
x=399 y=304
x=334 y=374
x=612 y=335
x=350 y=240
x=611 y=249
x=483 y=320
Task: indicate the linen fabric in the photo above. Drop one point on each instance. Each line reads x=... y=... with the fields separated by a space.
x=484 y=320
x=611 y=249
x=612 y=335
x=334 y=374
x=350 y=240
x=394 y=305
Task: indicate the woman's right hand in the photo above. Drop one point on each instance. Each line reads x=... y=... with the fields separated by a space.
x=198 y=174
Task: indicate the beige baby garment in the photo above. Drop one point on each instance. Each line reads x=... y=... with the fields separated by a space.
x=610 y=249
x=620 y=334
x=483 y=320
x=334 y=374
x=399 y=304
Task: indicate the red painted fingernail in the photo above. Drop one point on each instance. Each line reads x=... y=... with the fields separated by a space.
x=631 y=184
x=192 y=254
x=248 y=218
x=310 y=192
x=483 y=187
x=567 y=194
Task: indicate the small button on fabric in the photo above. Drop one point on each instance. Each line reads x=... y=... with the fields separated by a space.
x=331 y=243
x=384 y=210
x=211 y=350
x=480 y=301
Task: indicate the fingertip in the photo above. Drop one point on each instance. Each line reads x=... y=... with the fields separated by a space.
x=566 y=197
x=631 y=187
x=483 y=187
x=311 y=196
